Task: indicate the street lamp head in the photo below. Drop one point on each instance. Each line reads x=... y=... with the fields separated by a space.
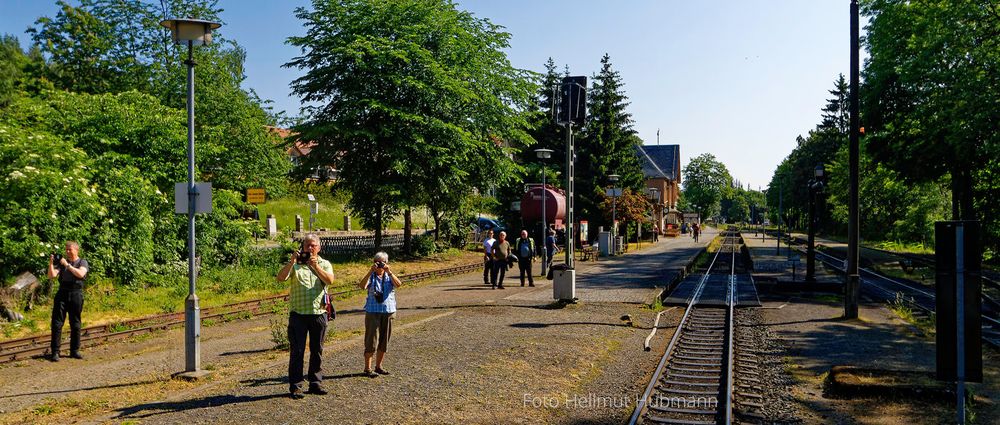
x=818 y=172
x=613 y=178
x=195 y=31
x=543 y=153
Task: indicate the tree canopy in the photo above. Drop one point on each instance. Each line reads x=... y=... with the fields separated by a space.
x=416 y=102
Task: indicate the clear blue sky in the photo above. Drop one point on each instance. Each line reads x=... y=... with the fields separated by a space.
x=739 y=79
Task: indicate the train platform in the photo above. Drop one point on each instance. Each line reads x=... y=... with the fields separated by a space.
x=635 y=278
x=784 y=267
x=714 y=293
x=460 y=352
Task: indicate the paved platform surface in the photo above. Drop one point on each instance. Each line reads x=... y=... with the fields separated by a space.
x=635 y=278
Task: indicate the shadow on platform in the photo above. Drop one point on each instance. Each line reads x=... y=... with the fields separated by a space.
x=152 y=409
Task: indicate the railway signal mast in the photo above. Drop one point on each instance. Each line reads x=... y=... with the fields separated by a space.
x=572 y=110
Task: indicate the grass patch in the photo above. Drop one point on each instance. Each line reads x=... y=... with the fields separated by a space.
x=331 y=213
x=899 y=306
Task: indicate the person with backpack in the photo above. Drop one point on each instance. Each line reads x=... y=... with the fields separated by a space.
x=524 y=248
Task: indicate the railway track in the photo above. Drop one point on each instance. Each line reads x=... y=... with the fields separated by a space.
x=705 y=368
x=38 y=345
x=920 y=298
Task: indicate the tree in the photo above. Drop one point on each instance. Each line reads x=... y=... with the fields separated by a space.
x=931 y=63
x=116 y=46
x=417 y=102
x=12 y=63
x=706 y=182
x=631 y=208
x=607 y=145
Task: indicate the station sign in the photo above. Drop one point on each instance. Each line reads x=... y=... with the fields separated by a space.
x=255 y=196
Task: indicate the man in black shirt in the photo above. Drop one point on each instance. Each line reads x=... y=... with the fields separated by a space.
x=71 y=270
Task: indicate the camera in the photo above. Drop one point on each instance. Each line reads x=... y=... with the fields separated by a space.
x=380 y=264
x=56 y=258
x=303 y=258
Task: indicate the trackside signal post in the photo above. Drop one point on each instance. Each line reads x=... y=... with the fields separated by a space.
x=572 y=110
x=958 y=264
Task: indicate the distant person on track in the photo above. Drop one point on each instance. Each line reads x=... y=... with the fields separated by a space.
x=524 y=248
x=695 y=231
x=71 y=271
x=309 y=274
x=488 y=256
x=380 y=310
x=501 y=250
x=656 y=233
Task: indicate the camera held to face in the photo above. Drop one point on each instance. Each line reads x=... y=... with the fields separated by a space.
x=303 y=258
x=56 y=258
x=379 y=264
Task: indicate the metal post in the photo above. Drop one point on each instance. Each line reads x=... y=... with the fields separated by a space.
x=811 y=248
x=192 y=320
x=570 y=246
x=780 y=205
x=960 y=319
x=852 y=287
x=545 y=226
x=614 y=225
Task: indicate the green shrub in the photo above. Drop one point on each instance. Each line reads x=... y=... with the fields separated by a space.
x=47 y=198
x=423 y=245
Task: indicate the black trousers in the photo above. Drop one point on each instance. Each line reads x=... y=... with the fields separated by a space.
x=498 y=273
x=487 y=269
x=524 y=265
x=67 y=303
x=299 y=326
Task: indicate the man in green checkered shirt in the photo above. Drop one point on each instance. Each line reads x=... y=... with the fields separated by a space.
x=309 y=274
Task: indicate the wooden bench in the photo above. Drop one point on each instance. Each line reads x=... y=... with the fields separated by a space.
x=588 y=253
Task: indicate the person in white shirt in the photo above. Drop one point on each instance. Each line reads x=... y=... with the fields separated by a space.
x=488 y=256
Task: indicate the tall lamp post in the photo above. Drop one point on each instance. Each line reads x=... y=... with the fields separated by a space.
x=815 y=186
x=544 y=154
x=193 y=32
x=613 y=178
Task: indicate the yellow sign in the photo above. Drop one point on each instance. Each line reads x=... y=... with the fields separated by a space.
x=255 y=196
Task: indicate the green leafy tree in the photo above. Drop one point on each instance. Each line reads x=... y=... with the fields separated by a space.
x=607 y=146
x=706 y=182
x=118 y=46
x=416 y=100
x=925 y=111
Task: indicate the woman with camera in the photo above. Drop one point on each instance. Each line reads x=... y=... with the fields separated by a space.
x=380 y=310
x=309 y=275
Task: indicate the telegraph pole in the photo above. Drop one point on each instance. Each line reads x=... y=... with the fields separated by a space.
x=852 y=287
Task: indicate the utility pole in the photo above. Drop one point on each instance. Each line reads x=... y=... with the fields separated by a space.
x=852 y=286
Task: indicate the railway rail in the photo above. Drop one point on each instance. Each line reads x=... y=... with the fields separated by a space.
x=38 y=345
x=705 y=369
x=920 y=298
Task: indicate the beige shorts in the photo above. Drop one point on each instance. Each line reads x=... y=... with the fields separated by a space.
x=378 y=326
